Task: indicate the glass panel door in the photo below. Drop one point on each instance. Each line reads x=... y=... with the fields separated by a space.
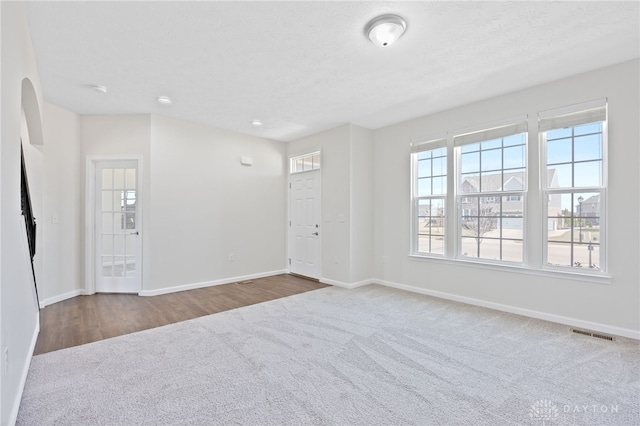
x=117 y=227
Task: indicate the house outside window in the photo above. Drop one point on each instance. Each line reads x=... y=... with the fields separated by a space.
x=492 y=186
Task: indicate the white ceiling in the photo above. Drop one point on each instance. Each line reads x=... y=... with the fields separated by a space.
x=305 y=66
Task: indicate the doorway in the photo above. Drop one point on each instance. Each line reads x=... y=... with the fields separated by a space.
x=117 y=226
x=305 y=209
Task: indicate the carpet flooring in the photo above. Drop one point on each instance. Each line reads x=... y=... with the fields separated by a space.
x=369 y=356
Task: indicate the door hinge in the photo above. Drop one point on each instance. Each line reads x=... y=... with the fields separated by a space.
x=289 y=223
x=289 y=185
x=289 y=261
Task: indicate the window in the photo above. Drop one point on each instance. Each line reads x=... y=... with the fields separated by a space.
x=429 y=197
x=480 y=211
x=305 y=163
x=574 y=140
x=492 y=185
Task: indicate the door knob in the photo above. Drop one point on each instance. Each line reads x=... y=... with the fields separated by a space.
x=315 y=233
x=134 y=233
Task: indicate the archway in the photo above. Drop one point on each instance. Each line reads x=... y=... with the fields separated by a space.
x=31 y=110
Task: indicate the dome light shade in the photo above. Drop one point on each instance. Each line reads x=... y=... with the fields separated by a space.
x=385 y=30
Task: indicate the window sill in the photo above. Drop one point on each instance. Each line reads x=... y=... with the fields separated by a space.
x=598 y=278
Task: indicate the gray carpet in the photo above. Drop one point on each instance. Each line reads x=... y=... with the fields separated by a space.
x=369 y=356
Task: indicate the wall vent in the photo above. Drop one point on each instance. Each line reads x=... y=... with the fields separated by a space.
x=593 y=334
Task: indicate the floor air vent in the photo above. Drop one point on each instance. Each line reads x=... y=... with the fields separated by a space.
x=593 y=334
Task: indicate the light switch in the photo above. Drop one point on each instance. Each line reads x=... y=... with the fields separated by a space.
x=54 y=218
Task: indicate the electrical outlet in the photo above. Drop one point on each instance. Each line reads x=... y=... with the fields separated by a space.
x=232 y=257
x=5 y=359
x=384 y=259
x=335 y=259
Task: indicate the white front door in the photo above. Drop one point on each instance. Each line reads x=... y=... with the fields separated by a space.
x=304 y=229
x=118 y=225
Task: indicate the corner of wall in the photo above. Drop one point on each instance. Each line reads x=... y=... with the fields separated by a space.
x=62 y=212
x=361 y=203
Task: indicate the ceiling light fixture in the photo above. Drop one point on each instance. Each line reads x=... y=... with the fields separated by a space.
x=256 y=123
x=385 y=30
x=164 y=100
x=99 y=89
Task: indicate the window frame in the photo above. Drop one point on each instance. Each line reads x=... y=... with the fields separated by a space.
x=315 y=165
x=485 y=133
x=535 y=209
x=418 y=146
x=601 y=190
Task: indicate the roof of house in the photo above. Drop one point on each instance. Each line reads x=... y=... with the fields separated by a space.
x=594 y=199
x=513 y=181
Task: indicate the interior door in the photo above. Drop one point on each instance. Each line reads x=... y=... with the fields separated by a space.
x=118 y=225
x=304 y=230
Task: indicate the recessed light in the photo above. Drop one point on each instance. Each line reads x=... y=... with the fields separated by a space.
x=385 y=30
x=256 y=123
x=164 y=100
x=99 y=89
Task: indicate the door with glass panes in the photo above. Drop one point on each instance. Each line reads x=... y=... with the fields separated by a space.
x=118 y=225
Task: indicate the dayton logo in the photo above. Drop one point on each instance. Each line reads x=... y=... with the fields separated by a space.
x=544 y=411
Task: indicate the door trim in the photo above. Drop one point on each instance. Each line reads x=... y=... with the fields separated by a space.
x=89 y=215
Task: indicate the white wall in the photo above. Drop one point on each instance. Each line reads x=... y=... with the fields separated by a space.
x=335 y=226
x=199 y=204
x=616 y=305
x=61 y=199
x=112 y=136
x=1 y=206
x=18 y=309
x=347 y=201
x=361 y=194
x=206 y=205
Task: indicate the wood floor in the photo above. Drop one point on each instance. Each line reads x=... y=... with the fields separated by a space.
x=86 y=319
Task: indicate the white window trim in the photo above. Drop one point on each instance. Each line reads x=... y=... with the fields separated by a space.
x=311 y=153
x=602 y=190
x=517 y=268
x=501 y=129
x=493 y=130
x=419 y=145
x=539 y=266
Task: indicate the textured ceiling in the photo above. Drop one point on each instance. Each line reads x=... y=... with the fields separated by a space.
x=303 y=67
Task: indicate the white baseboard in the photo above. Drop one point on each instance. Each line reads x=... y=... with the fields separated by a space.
x=61 y=297
x=25 y=371
x=604 y=328
x=193 y=286
x=346 y=285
